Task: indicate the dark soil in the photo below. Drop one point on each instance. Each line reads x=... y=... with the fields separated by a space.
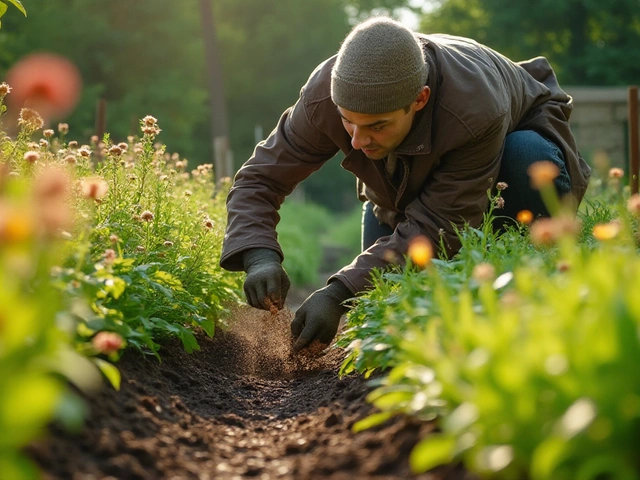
x=240 y=408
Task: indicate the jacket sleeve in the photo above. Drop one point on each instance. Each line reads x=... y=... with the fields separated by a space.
x=295 y=149
x=460 y=183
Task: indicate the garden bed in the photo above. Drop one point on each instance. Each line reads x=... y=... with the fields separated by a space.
x=238 y=408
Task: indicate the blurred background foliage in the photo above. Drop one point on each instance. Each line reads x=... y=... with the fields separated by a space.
x=147 y=57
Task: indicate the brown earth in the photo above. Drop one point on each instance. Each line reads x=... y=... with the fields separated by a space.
x=242 y=407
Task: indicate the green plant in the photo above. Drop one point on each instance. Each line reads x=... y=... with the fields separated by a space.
x=4 y=7
x=526 y=355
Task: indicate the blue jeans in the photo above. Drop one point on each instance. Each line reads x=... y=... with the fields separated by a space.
x=521 y=149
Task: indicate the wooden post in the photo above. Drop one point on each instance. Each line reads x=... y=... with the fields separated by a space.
x=634 y=148
x=101 y=118
x=219 y=123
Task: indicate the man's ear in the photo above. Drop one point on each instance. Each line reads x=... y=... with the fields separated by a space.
x=423 y=98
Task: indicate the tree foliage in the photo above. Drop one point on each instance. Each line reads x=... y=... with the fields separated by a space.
x=589 y=42
x=147 y=57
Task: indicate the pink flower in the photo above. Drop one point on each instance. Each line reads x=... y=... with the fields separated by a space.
x=48 y=83
x=107 y=342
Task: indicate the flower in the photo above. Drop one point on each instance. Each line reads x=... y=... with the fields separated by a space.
x=15 y=226
x=72 y=144
x=114 y=238
x=606 y=231
x=31 y=156
x=94 y=188
x=616 y=173
x=85 y=151
x=547 y=231
x=49 y=83
x=149 y=121
x=63 y=128
x=107 y=342
x=151 y=130
x=4 y=89
x=499 y=202
x=123 y=146
x=420 y=251
x=483 y=272
x=48 y=133
x=109 y=256
x=140 y=248
x=633 y=205
x=146 y=216
x=502 y=186
x=542 y=173
x=208 y=223
x=168 y=243
x=71 y=159
x=30 y=119
x=524 y=216
x=115 y=150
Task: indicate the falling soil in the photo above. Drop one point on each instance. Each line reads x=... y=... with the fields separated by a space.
x=241 y=407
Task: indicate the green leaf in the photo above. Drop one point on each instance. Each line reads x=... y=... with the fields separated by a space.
x=3 y=8
x=431 y=452
x=207 y=325
x=371 y=421
x=110 y=371
x=165 y=278
x=19 y=6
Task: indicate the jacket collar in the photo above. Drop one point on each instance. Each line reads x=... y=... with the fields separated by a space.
x=418 y=140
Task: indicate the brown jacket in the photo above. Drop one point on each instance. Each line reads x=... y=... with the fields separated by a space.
x=451 y=156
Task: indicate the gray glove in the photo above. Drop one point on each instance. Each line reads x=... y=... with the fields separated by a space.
x=319 y=315
x=267 y=282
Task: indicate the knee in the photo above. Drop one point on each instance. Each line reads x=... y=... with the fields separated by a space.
x=526 y=147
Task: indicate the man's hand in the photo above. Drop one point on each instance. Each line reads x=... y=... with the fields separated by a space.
x=318 y=317
x=267 y=283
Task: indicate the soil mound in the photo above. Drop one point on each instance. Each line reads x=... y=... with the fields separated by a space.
x=242 y=407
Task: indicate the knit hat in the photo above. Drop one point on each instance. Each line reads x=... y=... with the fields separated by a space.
x=380 y=68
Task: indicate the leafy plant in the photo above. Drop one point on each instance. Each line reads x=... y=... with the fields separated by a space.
x=526 y=354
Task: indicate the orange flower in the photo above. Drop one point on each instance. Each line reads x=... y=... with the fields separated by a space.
x=524 y=216
x=606 y=231
x=542 y=173
x=420 y=251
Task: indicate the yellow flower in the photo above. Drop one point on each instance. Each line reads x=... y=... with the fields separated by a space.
x=15 y=226
x=606 y=231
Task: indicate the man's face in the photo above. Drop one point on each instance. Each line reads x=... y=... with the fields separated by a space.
x=379 y=134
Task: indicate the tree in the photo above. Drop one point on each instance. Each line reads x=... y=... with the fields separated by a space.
x=588 y=42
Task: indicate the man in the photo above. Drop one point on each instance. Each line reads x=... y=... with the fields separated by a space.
x=428 y=124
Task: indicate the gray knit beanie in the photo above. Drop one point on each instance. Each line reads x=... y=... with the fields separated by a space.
x=380 y=68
